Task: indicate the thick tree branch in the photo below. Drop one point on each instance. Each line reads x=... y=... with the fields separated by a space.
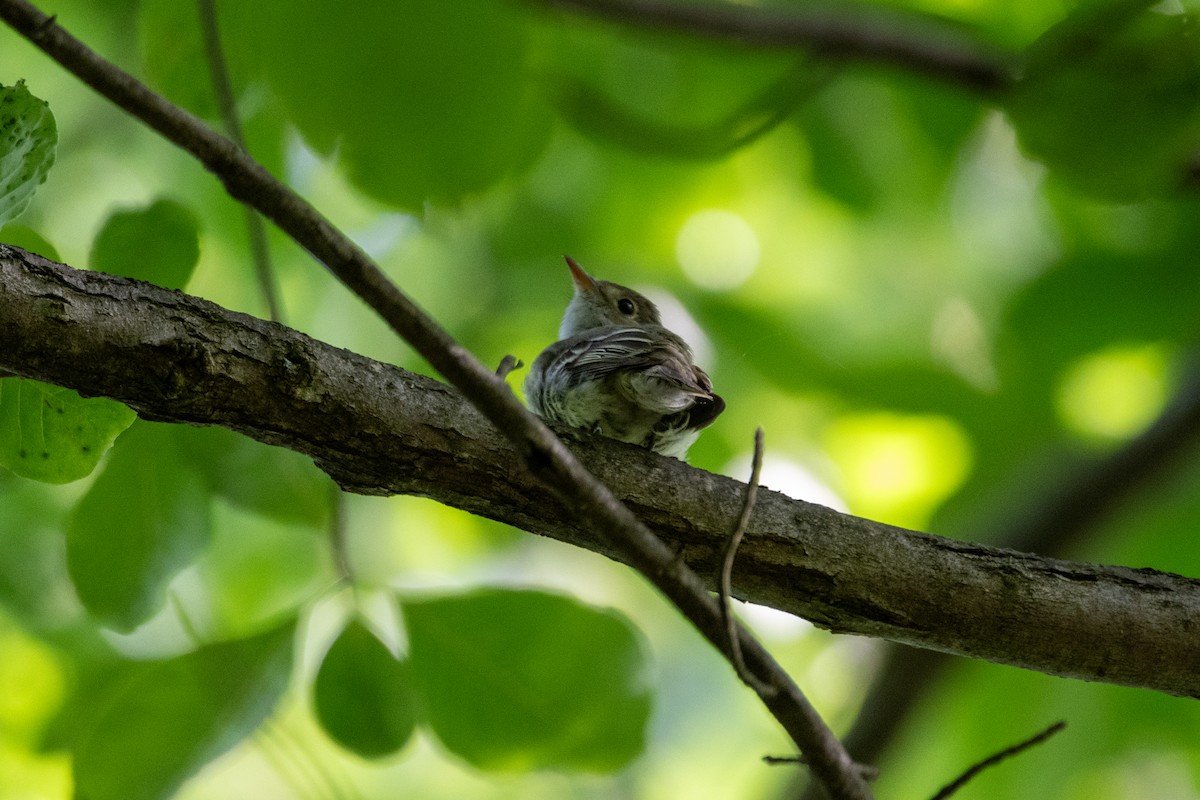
x=378 y=429
x=541 y=452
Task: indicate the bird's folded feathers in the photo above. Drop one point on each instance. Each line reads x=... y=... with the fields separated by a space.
x=648 y=365
x=598 y=353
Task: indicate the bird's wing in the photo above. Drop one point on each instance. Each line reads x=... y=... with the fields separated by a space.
x=648 y=366
x=651 y=351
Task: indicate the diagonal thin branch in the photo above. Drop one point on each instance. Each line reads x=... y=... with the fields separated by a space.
x=540 y=450
x=843 y=30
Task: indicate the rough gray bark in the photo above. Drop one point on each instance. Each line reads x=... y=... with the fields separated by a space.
x=380 y=430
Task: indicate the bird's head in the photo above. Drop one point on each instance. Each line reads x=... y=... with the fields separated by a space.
x=599 y=303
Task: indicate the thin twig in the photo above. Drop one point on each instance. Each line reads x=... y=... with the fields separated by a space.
x=223 y=90
x=992 y=760
x=185 y=619
x=843 y=30
x=776 y=761
x=543 y=453
x=725 y=579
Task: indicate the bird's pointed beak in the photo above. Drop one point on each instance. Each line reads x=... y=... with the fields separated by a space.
x=583 y=281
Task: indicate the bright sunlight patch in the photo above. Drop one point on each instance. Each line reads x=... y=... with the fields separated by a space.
x=1114 y=393
x=897 y=468
x=717 y=249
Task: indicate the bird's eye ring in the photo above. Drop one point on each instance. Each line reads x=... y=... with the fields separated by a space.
x=626 y=306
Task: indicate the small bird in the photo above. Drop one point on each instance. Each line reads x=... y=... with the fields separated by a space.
x=617 y=371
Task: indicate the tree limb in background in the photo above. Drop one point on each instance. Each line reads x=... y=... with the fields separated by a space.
x=378 y=429
x=596 y=113
x=846 y=31
x=541 y=452
x=843 y=30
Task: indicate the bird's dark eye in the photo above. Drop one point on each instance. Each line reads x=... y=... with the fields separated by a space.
x=626 y=306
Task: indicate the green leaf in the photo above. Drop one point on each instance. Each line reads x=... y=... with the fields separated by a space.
x=364 y=697
x=145 y=518
x=519 y=680
x=96 y=671
x=458 y=112
x=878 y=141
x=51 y=434
x=27 y=238
x=28 y=137
x=271 y=481
x=178 y=715
x=1108 y=100
x=159 y=244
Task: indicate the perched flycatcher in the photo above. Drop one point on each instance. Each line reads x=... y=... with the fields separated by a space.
x=617 y=371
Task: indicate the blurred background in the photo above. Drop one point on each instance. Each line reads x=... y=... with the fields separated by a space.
x=951 y=308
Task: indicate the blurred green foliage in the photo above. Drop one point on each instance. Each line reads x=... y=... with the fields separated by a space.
x=941 y=306
x=159 y=244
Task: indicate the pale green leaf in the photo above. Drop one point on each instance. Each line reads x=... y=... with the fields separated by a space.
x=458 y=112
x=281 y=484
x=51 y=434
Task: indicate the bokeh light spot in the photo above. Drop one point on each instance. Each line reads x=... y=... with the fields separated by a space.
x=717 y=249
x=898 y=469
x=1114 y=393
x=31 y=685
